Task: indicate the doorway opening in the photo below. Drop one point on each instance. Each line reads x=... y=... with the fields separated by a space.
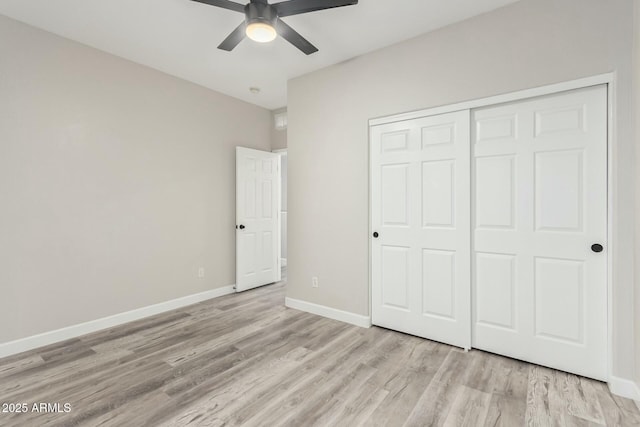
x=283 y=211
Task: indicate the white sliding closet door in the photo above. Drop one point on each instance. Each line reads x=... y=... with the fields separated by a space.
x=420 y=213
x=540 y=204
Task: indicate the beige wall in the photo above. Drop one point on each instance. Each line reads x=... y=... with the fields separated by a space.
x=278 y=137
x=636 y=91
x=527 y=44
x=116 y=183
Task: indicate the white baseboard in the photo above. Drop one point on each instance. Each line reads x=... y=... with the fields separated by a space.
x=331 y=313
x=283 y=262
x=40 y=340
x=625 y=388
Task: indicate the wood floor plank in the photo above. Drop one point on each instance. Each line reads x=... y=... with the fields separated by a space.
x=351 y=370
x=432 y=409
x=38 y=380
x=579 y=397
x=20 y=365
x=505 y=411
x=359 y=409
x=492 y=373
x=469 y=408
x=406 y=380
x=508 y=383
x=331 y=398
x=625 y=404
x=185 y=354
x=288 y=399
x=261 y=357
x=247 y=360
x=224 y=400
x=337 y=364
x=571 y=421
x=539 y=411
x=133 y=327
x=200 y=374
x=133 y=412
x=615 y=414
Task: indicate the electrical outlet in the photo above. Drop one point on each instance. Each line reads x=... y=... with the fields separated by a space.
x=314 y=282
x=201 y=272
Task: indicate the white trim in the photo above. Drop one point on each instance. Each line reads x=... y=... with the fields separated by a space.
x=611 y=210
x=498 y=99
x=625 y=388
x=283 y=262
x=51 y=337
x=370 y=219
x=281 y=151
x=279 y=224
x=331 y=313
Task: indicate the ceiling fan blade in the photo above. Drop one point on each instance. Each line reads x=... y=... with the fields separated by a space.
x=296 y=7
x=292 y=36
x=234 y=38
x=225 y=4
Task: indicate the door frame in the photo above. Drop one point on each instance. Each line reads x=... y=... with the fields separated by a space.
x=608 y=79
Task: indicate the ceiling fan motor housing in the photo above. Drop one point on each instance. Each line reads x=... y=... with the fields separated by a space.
x=260 y=12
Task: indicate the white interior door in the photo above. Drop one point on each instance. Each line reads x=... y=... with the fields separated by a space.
x=540 y=186
x=420 y=213
x=257 y=218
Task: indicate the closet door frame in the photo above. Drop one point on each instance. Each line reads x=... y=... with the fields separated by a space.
x=607 y=79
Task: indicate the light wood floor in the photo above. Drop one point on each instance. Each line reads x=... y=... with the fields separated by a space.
x=247 y=360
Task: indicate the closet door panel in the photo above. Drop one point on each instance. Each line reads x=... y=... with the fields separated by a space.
x=420 y=209
x=540 y=203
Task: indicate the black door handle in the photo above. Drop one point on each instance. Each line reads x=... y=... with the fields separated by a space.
x=597 y=247
x=375 y=234
x=242 y=227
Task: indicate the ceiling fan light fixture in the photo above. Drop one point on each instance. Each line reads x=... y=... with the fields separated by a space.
x=261 y=32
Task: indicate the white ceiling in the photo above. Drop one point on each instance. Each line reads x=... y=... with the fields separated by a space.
x=180 y=37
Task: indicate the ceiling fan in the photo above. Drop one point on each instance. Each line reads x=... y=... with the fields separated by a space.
x=262 y=20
